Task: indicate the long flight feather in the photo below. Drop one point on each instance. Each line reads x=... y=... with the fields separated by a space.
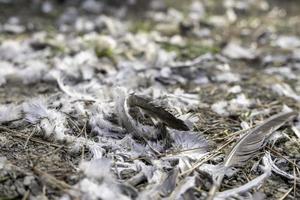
x=250 y=143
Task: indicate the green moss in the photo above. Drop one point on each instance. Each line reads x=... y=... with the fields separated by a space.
x=109 y=53
x=141 y=26
x=190 y=50
x=194 y=51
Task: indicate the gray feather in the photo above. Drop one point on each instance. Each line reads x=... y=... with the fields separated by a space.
x=251 y=184
x=131 y=125
x=169 y=184
x=250 y=143
x=157 y=111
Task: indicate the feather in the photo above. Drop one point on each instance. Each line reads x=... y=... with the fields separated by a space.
x=104 y=127
x=33 y=72
x=132 y=126
x=90 y=189
x=156 y=111
x=250 y=143
x=267 y=169
x=162 y=184
x=190 y=144
x=254 y=139
x=9 y=112
x=169 y=184
x=50 y=120
x=216 y=170
x=96 y=150
x=182 y=187
x=7 y=69
x=35 y=110
x=69 y=90
x=285 y=90
x=96 y=168
x=278 y=171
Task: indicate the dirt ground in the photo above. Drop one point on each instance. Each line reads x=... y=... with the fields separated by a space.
x=249 y=70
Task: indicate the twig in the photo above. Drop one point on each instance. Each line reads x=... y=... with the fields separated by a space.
x=199 y=163
x=239 y=132
x=82 y=152
x=295 y=182
x=51 y=180
x=28 y=138
x=286 y=194
x=24 y=136
x=26 y=195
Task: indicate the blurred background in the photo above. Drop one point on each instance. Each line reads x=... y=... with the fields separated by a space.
x=27 y=15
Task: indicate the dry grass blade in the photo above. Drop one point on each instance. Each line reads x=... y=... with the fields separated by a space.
x=286 y=194
x=51 y=180
x=250 y=143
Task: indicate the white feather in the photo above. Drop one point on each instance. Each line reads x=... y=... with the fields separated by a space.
x=97 y=168
x=9 y=112
x=284 y=89
x=69 y=90
x=92 y=190
x=183 y=186
x=33 y=72
x=278 y=171
x=188 y=144
x=50 y=120
x=6 y=70
x=35 y=110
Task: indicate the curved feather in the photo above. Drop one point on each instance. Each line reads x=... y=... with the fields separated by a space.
x=138 y=130
x=250 y=143
x=267 y=171
x=156 y=111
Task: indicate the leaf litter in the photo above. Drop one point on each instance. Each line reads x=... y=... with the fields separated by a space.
x=173 y=104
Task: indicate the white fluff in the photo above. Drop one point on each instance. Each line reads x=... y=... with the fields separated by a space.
x=284 y=89
x=235 y=89
x=224 y=108
x=104 y=127
x=227 y=77
x=99 y=182
x=33 y=72
x=6 y=69
x=288 y=42
x=220 y=108
x=35 y=110
x=189 y=144
x=9 y=112
x=69 y=90
x=96 y=150
x=235 y=51
x=3 y=162
x=97 y=168
x=50 y=120
x=283 y=71
x=241 y=102
x=91 y=190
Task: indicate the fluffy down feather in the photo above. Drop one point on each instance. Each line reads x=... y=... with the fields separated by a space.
x=50 y=120
x=9 y=112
